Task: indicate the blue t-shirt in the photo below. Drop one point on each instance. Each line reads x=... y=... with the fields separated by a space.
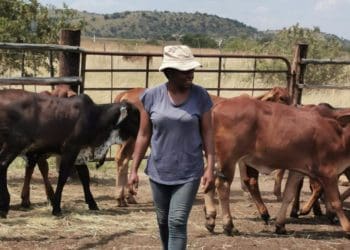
x=176 y=142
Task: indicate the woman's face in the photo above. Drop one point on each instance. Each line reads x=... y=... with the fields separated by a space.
x=182 y=79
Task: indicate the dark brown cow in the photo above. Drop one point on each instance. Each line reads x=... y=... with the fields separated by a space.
x=76 y=128
x=61 y=90
x=263 y=136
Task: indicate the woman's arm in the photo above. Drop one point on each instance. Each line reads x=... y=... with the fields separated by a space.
x=209 y=149
x=141 y=145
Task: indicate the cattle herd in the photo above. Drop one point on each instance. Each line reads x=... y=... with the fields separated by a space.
x=257 y=134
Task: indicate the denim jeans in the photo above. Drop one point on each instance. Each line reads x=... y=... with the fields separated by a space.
x=173 y=205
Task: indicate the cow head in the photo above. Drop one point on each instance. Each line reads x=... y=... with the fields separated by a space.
x=129 y=125
x=277 y=94
x=122 y=122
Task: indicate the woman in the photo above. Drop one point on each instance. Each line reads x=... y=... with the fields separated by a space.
x=176 y=120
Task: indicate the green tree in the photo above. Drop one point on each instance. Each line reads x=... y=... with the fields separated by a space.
x=319 y=46
x=30 y=22
x=198 y=41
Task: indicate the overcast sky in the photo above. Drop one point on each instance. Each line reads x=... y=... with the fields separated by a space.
x=331 y=16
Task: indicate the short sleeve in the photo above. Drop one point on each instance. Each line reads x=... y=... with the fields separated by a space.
x=205 y=100
x=147 y=100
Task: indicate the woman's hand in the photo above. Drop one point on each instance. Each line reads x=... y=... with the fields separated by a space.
x=208 y=180
x=133 y=182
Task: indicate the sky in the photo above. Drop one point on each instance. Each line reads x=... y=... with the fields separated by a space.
x=331 y=16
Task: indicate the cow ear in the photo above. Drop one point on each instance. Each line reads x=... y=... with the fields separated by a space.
x=344 y=119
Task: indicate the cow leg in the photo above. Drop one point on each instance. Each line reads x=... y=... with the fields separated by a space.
x=25 y=194
x=210 y=209
x=330 y=187
x=223 y=190
x=6 y=157
x=66 y=163
x=296 y=203
x=244 y=177
x=4 y=193
x=123 y=157
x=84 y=177
x=251 y=181
x=278 y=176
x=44 y=170
x=288 y=195
x=313 y=200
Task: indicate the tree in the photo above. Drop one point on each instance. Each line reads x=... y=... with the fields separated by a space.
x=319 y=46
x=198 y=41
x=28 y=21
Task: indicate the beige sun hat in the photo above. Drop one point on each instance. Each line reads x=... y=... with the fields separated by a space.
x=178 y=57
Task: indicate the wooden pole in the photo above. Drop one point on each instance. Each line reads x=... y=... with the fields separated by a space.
x=298 y=71
x=69 y=62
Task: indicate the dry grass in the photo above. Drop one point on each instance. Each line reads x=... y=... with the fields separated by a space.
x=135 y=227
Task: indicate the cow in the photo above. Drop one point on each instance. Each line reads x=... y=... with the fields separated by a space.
x=125 y=151
x=249 y=176
x=61 y=90
x=77 y=129
x=325 y=110
x=264 y=136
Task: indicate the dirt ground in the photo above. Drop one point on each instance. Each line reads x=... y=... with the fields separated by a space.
x=134 y=227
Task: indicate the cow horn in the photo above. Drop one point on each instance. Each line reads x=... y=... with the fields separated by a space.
x=123 y=114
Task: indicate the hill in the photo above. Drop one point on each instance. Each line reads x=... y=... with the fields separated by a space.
x=163 y=25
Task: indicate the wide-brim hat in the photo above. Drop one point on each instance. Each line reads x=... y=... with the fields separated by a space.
x=178 y=57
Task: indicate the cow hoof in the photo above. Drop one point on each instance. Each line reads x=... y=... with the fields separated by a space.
x=57 y=212
x=333 y=219
x=3 y=214
x=318 y=213
x=210 y=227
x=231 y=231
x=25 y=204
x=131 y=200
x=122 y=203
x=280 y=229
x=294 y=214
x=301 y=212
x=265 y=218
x=93 y=207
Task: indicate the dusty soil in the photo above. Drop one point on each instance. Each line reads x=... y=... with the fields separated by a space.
x=134 y=227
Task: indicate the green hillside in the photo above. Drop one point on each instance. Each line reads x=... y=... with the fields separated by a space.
x=163 y=25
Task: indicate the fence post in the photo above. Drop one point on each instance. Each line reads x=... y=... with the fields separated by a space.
x=298 y=71
x=69 y=63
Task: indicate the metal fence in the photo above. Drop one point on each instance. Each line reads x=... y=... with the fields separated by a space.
x=218 y=68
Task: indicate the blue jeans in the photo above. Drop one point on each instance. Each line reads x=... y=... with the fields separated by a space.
x=173 y=205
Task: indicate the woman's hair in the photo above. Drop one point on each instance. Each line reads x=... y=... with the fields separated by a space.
x=167 y=72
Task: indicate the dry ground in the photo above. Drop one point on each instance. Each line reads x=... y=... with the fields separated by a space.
x=134 y=227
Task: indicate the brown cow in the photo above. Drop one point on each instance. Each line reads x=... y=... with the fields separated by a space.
x=249 y=176
x=263 y=136
x=325 y=110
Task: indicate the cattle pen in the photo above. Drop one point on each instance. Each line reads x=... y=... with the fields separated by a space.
x=102 y=75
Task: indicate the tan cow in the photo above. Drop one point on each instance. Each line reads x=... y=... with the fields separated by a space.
x=264 y=136
x=124 y=152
